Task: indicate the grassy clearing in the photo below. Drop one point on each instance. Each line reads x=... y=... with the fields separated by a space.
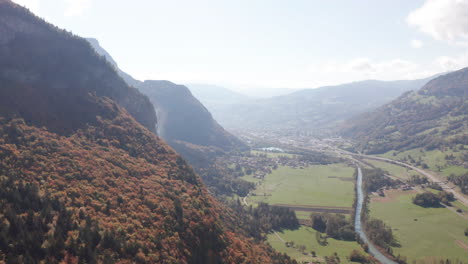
x=306 y=236
x=434 y=234
x=394 y=170
x=330 y=185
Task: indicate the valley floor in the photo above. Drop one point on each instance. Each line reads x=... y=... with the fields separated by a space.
x=425 y=234
x=316 y=188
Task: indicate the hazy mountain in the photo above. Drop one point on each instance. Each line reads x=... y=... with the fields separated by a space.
x=217 y=98
x=208 y=94
x=182 y=118
x=81 y=180
x=314 y=110
x=430 y=117
x=262 y=92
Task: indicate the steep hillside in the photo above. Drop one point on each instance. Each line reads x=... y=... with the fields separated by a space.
x=58 y=92
x=313 y=111
x=81 y=181
x=431 y=117
x=127 y=78
x=184 y=118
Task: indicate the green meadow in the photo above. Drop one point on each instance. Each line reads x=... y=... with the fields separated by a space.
x=330 y=185
x=306 y=236
x=423 y=233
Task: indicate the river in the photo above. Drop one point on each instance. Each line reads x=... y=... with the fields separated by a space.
x=358 y=223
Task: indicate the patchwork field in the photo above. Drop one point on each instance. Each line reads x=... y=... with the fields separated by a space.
x=306 y=236
x=422 y=232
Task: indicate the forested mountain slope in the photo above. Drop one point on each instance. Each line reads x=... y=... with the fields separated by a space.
x=183 y=118
x=81 y=180
x=35 y=54
x=433 y=116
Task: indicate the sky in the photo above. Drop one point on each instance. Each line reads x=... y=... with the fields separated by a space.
x=258 y=44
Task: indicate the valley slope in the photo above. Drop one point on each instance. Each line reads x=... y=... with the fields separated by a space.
x=430 y=117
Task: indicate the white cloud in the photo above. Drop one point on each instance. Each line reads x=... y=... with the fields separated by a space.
x=442 y=19
x=452 y=63
x=416 y=43
x=32 y=5
x=76 y=7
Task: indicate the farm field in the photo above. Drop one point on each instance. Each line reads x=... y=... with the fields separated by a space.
x=414 y=228
x=318 y=185
x=306 y=236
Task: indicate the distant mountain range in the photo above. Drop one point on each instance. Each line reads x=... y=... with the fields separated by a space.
x=312 y=111
x=83 y=177
x=430 y=117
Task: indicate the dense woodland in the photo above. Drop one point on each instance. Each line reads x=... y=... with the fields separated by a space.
x=258 y=221
x=429 y=199
x=377 y=178
x=334 y=225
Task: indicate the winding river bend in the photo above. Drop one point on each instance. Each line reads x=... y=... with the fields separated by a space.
x=358 y=224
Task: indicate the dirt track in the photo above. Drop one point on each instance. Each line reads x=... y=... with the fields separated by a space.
x=317 y=208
